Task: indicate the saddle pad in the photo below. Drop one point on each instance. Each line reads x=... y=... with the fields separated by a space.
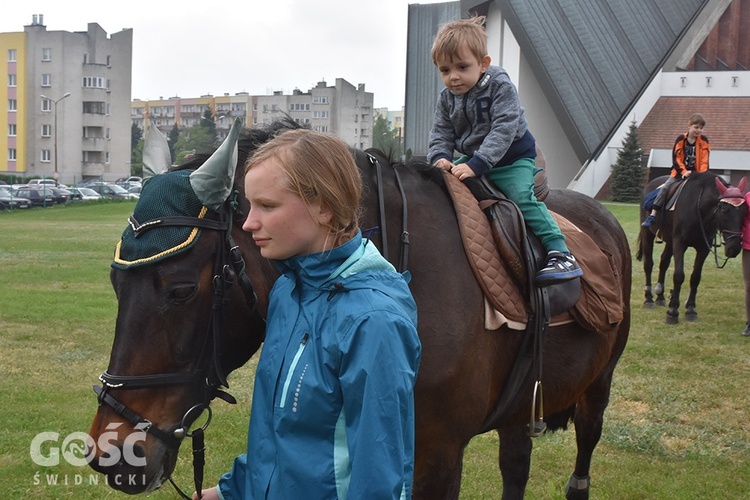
x=598 y=307
x=490 y=270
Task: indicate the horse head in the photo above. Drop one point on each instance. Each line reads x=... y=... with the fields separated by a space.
x=730 y=215
x=187 y=313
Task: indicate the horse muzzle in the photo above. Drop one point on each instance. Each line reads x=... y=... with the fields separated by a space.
x=133 y=467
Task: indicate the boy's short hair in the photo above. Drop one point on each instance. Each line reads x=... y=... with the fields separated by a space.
x=698 y=119
x=450 y=36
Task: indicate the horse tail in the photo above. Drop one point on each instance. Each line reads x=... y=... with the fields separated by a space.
x=639 y=253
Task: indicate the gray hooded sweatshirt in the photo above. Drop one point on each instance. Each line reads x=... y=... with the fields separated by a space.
x=487 y=124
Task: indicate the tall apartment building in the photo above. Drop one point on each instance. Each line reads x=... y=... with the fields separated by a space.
x=67 y=97
x=343 y=110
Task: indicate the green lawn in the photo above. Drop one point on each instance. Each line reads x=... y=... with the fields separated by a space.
x=677 y=425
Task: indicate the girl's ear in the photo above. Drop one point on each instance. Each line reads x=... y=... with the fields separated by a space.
x=324 y=215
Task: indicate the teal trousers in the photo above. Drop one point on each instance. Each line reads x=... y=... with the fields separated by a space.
x=516 y=181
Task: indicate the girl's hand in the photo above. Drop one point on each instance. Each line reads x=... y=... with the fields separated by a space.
x=209 y=494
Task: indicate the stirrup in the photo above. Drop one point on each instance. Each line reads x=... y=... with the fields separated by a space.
x=537 y=426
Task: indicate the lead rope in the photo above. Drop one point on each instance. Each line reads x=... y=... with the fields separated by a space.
x=199 y=461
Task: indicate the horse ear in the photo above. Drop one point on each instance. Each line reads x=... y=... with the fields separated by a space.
x=720 y=185
x=156 y=156
x=213 y=181
x=743 y=185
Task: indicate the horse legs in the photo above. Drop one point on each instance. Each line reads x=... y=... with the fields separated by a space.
x=589 y=418
x=515 y=461
x=695 y=278
x=673 y=312
x=664 y=260
x=647 y=249
x=437 y=469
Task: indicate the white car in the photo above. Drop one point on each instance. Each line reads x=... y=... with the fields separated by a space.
x=87 y=194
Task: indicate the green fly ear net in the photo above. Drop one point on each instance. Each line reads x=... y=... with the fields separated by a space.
x=174 y=194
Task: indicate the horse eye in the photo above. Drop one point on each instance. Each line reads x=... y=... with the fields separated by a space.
x=181 y=293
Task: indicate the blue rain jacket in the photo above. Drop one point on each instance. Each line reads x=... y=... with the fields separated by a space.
x=333 y=403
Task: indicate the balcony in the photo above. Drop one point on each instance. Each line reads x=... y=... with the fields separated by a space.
x=94 y=143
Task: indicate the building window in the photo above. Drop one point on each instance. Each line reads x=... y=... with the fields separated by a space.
x=12 y=55
x=46 y=80
x=46 y=157
x=47 y=130
x=107 y=158
x=94 y=107
x=109 y=61
x=12 y=104
x=46 y=105
x=12 y=154
x=46 y=54
x=94 y=82
x=12 y=129
x=11 y=79
x=107 y=133
x=320 y=99
x=85 y=58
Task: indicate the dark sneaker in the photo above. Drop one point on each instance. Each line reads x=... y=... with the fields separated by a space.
x=746 y=331
x=560 y=267
x=649 y=221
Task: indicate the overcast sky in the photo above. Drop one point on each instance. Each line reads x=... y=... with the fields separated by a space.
x=188 y=49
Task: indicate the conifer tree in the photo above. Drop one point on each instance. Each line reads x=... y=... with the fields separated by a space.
x=628 y=173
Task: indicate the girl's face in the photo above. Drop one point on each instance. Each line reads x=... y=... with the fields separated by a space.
x=461 y=73
x=282 y=224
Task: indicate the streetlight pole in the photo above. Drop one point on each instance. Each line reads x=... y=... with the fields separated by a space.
x=67 y=94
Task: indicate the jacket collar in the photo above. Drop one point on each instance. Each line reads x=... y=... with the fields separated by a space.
x=315 y=268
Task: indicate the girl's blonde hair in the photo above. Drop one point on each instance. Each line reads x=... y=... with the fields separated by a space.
x=451 y=36
x=319 y=167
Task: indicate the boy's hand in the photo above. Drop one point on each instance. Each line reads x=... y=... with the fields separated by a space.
x=462 y=171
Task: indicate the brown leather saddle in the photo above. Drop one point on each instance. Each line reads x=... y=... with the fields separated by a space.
x=504 y=259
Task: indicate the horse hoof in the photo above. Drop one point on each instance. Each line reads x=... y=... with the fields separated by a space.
x=672 y=319
x=691 y=316
x=577 y=488
x=661 y=302
x=649 y=304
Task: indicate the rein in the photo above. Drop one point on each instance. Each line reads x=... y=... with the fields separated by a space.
x=403 y=262
x=212 y=377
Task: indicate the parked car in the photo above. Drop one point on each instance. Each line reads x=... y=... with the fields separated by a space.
x=38 y=182
x=107 y=190
x=10 y=201
x=84 y=194
x=39 y=197
x=61 y=195
x=136 y=190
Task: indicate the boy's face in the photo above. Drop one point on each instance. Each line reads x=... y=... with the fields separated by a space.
x=695 y=130
x=462 y=72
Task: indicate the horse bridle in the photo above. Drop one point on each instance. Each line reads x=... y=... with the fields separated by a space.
x=726 y=234
x=212 y=376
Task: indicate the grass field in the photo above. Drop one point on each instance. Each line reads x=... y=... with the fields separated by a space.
x=677 y=425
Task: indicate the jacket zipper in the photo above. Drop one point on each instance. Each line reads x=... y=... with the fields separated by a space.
x=292 y=367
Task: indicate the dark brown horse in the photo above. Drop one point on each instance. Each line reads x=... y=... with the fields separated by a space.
x=169 y=356
x=706 y=205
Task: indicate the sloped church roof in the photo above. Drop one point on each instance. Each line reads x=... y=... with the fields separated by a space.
x=594 y=58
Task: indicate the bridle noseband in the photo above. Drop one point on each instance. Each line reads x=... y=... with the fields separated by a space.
x=228 y=269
